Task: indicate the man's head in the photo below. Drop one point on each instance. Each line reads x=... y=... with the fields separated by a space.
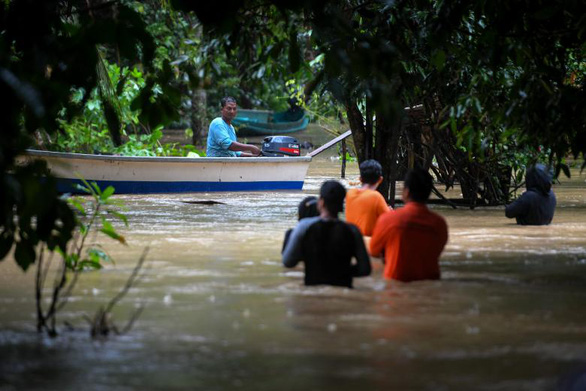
x=229 y=108
x=371 y=172
x=307 y=208
x=418 y=185
x=331 y=197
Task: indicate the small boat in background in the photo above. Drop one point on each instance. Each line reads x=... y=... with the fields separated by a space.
x=264 y=122
x=144 y=175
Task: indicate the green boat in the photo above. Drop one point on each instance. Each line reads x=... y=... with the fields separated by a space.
x=265 y=122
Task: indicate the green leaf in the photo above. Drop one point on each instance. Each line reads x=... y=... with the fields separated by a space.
x=566 y=170
x=24 y=254
x=6 y=242
x=99 y=255
x=97 y=191
x=562 y=167
x=107 y=193
x=120 y=216
x=85 y=189
x=75 y=202
x=439 y=59
x=109 y=230
x=294 y=53
x=71 y=260
x=85 y=264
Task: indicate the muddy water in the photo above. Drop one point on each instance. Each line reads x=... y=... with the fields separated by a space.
x=221 y=313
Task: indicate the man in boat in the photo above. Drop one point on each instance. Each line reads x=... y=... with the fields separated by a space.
x=326 y=244
x=222 y=140
x=537 y=205
x=412 y=237
x=364 y=205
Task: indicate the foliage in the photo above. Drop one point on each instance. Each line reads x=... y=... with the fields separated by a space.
x=47 y=50
x=255 y=55
x=486 y=72
x=93 y=215
x=88 y=133
x=178 y=40
x=32 y=213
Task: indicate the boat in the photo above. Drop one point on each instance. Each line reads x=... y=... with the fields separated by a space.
x=265 y=122
x=145 y=175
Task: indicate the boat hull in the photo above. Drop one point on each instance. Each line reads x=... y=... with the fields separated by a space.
x=146 y=175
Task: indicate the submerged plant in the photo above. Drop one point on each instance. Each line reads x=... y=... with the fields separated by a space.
x=94 y=214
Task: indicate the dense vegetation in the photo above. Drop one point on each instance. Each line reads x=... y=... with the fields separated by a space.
x=472 y=90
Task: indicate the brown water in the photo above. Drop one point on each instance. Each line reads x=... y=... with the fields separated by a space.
x=221 y=313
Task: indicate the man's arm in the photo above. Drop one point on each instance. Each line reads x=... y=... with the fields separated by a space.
x=381 y=205
x=362 y=266
x=517 y=208
x=378 y=238
x=293 y=251
x=248 y=150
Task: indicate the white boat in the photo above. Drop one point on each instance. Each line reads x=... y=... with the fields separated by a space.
x=143 y=175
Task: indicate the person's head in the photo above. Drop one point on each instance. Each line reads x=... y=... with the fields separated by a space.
x=371 y=172
x=538 y=178
x=418 y=185
x=307 y=208
x=331 y=198
x=229 y=108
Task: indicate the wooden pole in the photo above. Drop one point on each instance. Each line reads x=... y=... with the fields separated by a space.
x=343 y=174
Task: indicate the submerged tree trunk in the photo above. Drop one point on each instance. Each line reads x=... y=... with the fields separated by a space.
x=376 y=139
x=387 y=136
x=417 y=140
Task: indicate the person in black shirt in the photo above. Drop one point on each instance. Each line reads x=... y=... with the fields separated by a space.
x=326 y=244
x=536 y=206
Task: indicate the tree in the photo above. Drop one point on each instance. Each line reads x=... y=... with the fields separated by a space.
x=43 y=56
x=485 y=73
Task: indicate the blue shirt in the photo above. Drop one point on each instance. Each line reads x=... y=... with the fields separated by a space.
x=220 y=137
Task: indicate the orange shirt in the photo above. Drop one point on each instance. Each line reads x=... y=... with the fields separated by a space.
x=413 y=238
x=363 y=207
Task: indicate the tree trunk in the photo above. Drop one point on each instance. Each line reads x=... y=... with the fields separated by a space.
x=387 y=145
x=369 y=133
x=198 y=114
x=356 y=122
x=312 y=85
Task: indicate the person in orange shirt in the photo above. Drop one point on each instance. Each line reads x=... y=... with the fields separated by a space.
x=364 y=205
x=412 y=237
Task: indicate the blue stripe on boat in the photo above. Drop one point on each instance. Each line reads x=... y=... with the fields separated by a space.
x=131 y=187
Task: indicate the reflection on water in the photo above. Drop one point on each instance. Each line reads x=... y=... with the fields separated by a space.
x=221 y=313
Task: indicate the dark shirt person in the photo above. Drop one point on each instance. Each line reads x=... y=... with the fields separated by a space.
x=222 y=141
x=412 y=237
x=536 y=206
x=326 y=244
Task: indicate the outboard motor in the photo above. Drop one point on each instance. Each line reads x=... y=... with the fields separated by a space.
x=277 y=146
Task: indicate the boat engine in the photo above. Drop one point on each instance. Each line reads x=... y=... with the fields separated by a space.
x=276 y=146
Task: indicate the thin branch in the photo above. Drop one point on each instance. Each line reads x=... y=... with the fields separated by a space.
x=132 y=320
x=133 y=277
x=67 y=294
x=442 y=197
x=38 y=290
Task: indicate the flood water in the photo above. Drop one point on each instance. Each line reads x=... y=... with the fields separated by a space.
x=222 y=313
